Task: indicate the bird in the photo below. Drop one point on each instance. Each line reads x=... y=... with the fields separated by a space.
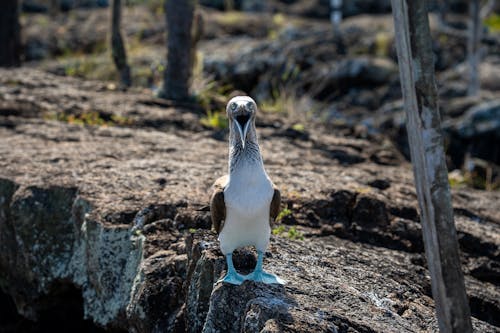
x=245 y=202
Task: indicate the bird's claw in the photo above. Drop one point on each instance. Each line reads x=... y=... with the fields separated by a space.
x=264 y=277
x=232 y=278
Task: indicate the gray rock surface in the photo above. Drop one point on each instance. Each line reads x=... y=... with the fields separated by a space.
x=348 y=79
x=118 y=215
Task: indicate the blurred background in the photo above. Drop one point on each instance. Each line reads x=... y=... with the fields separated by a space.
x=331 y=63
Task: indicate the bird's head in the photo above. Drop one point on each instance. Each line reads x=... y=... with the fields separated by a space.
x=241 y=112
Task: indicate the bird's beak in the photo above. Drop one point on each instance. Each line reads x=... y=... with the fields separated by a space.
x=243 y=131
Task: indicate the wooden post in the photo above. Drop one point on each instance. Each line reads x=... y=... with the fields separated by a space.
x=10 y=34
x=473 y=47
x=416 y=64
x=179 y=16
x=117 y=47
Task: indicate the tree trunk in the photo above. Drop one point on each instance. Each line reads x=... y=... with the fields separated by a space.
x=53 y=8
x=179 y=16
x=416 y=64
x=10 y=34
x=473 y=47
x=117 y=48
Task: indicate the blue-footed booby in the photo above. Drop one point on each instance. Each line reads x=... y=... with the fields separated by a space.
x=245 y=202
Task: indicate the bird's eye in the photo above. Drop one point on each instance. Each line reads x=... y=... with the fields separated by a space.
x=250 y=106
x=233 y=106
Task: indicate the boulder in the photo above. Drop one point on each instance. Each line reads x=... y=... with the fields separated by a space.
x=351 y=74
x=305 y=63
x=104 y=225
x=476 y=130
x=321 y=8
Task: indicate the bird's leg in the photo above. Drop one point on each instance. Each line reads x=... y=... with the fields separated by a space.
x=259 y=275
x=231 y=276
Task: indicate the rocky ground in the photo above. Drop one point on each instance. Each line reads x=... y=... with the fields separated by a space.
x=104 y=218
x=104 y=223
x=294 y=64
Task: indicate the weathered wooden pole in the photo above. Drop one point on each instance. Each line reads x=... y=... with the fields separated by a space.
x=117 y=46
x=416 y=64
x=473 y=47
x=177 y=77
x=10 y=34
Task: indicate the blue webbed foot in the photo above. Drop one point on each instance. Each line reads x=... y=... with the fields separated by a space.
x=231 y=276
x=258 y=275
x=261 y=276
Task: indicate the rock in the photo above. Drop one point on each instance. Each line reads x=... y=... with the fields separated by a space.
x=243 y=65
x=476 y=129
x=469 y=125
x=37 y=6
x=293 y=133
x=248 y=309
x=218 y=4
x=321 y=8
x=159 y=289
x=367 y=70
x=258 y=67
x=253 y=5
x=381 y=184
x=483 y=119
x=488 y=73
x=353 y=72
x=33 y=7
x=84 y=31
x=44 y=238
x=456 y=107
x=255 y=307
x=370 y=212
x=337 y=209
x=110 y=224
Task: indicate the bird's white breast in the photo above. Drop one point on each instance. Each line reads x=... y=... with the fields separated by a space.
x=247 y=196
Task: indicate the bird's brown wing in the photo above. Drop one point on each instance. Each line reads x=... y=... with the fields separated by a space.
x=275 y=205
x=217 y=204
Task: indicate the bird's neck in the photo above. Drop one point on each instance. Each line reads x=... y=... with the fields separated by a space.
x=238 y=155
